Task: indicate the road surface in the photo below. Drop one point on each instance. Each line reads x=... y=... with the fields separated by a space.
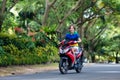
x=89 y=72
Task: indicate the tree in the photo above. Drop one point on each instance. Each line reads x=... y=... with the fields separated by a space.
x=92 y=17
x=4 y=9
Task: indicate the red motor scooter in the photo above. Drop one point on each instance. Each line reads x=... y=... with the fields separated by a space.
x=67 y=58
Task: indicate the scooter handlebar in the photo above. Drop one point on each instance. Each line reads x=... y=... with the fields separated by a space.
x=67 y=42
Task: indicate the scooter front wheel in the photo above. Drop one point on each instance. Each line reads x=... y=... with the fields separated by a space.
x=63 y=67
x=79 y=66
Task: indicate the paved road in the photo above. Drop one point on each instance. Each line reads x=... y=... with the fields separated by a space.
x=89 y=72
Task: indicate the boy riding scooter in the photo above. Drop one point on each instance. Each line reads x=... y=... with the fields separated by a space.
x=73 y=36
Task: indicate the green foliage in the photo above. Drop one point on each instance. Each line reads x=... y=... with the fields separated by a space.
x=52 y=34
x=50 y=30
x=114 y=4
x=22 y=51
x=41 y=39
x=11 y=49
x=6 y=39
x=9 y=22
x=1 y=50
x=34 y=26
x=38 y=55
x=52 y=52
x=19 y=42
x=4 y=35
x=30 y=45
x=62 y=13
x=3 y=60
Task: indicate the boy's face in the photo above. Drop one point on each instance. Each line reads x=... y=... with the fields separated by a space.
x=71 y=29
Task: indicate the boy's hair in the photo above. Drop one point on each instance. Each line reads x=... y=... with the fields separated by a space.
x=73 y=26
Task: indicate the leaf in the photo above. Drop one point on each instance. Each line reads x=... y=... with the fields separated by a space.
x=100 y=4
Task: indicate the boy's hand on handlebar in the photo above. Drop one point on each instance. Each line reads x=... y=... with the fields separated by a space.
x=75 y=41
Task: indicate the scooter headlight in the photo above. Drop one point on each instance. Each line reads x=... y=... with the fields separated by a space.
x=65 y=50
x=62 y=51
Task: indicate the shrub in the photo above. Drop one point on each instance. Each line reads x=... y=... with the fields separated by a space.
x=1 y=50
x=52 y=53
x=11 y=49
x=6 y=39
x=22 y=51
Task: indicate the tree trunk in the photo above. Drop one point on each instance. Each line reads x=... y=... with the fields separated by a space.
x=2 y=10
x=47 y=9
x=46 y=15
x=1 y=22
x=92 y=58
x=116 y=58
